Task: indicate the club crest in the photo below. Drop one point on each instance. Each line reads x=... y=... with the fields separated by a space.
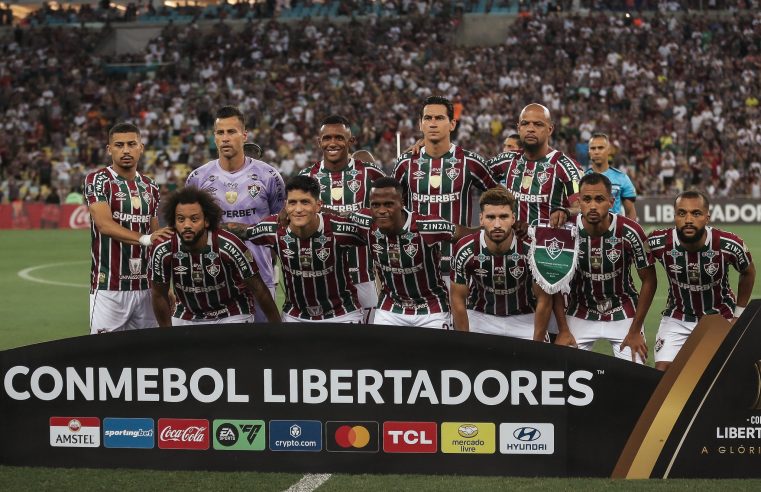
x=516 y=272
x=314 y=311
x=254 y=190
x=613 y=255
x=410 y=249
x=543 y=177
x=212 y=269
x=554 y=247
x=323 y=253
x=354 y=185
x=453 y=173
x=711 y=268
x=604 y=306
x=147 y=197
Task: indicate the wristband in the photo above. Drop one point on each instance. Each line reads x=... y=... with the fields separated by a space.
x=739 y=311
x=145 y=240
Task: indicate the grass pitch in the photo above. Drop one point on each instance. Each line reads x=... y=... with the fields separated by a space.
x=44 y=277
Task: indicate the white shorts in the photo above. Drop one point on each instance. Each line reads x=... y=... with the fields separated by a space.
x=588 y=332
x=672 y=333
x=238 y=318
x=112 y=310
x=441 y=321
x=356 y=317
x=368 y=294
x=259 y=316
x=516 y=326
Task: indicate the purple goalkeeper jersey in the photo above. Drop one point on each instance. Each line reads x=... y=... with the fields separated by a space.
x=246 y=196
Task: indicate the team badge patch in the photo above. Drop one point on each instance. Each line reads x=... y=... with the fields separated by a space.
x=453 y=173
x=354 y=185
x=543 y=178
x=211 y=256
x=323 y=253
x=709 y=254
x=134 y=265
x=613 y=255
x=410 y=249
x=693 y=272
x=254 y=190
x=604 y=306
x=435 y=181
x=231 y=197
x=659 y=344
x=314 y=311
x=212 y=269
x=180 y=255
x=147 y=197
x=711 y=268
x=135 y=201
x=516 y=272
x=499 y=280
x=554 y=247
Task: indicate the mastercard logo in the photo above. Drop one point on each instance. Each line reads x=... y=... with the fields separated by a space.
x=356 y=436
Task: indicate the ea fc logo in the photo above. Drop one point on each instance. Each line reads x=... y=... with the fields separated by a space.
x=352 y=436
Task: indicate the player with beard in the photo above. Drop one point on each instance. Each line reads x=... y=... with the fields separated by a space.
x=438 y=178
x=544 y=182
x=123 y=207
x=697 y=258
x=492 y=290
x=344 y=188
x=604 y=303
x=213 y=278
x=246 y=189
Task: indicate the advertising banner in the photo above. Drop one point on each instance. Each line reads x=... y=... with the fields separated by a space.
x=338 y=398
x=738 y=210
x=33 y=215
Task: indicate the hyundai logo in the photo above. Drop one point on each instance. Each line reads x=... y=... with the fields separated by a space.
x=527 y=434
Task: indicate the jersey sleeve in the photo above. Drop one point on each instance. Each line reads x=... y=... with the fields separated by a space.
x=401 y=174
x=737 y=251
x=192 y=179
x=569 y=172
x=637 y=241
x=96 y=188
x=463 y=255
x=160 y=267
x=263 y=233
x=237 y=256
x=479 y=172
x=434 y=229
x=498 y=166
x=346 y=232
x=275 y=191
x=628 y=191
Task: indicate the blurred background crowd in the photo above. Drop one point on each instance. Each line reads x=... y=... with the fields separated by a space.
x=677 y=90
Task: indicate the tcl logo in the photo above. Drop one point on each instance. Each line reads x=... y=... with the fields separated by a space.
x=183 y=434
x=410 y=437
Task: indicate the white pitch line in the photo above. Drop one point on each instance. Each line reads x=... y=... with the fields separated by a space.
x=26 y=274
x=309 y=482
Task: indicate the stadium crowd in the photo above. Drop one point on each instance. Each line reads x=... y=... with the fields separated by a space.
x=679 y=95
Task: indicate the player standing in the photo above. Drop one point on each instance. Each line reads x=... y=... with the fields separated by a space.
x=697 y=258
x=123 y=207
x=213 y=280
x=247 y=189
x=345 y=187
x=313 y=249
x=437 y=179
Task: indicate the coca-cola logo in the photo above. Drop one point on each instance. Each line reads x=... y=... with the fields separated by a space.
x=183 y=434
x=79 y=218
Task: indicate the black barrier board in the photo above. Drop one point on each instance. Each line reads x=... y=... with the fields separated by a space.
x=327 y=398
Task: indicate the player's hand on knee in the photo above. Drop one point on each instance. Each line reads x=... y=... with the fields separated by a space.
x=636 y=342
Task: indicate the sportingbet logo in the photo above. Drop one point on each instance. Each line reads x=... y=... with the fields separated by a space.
x=75 y=432
x=352 y=437
x=295 y=435
x=183 y=434
x=410 y=437
x=526 y=438
x=128 y=433
x=239 y=435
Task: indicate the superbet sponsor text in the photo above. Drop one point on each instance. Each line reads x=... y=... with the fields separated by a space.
x=309 y=386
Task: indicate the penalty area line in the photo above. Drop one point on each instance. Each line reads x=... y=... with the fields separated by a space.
x=26 y=274
x=309 y=482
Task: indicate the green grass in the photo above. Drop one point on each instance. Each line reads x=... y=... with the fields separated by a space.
x=33 y=312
